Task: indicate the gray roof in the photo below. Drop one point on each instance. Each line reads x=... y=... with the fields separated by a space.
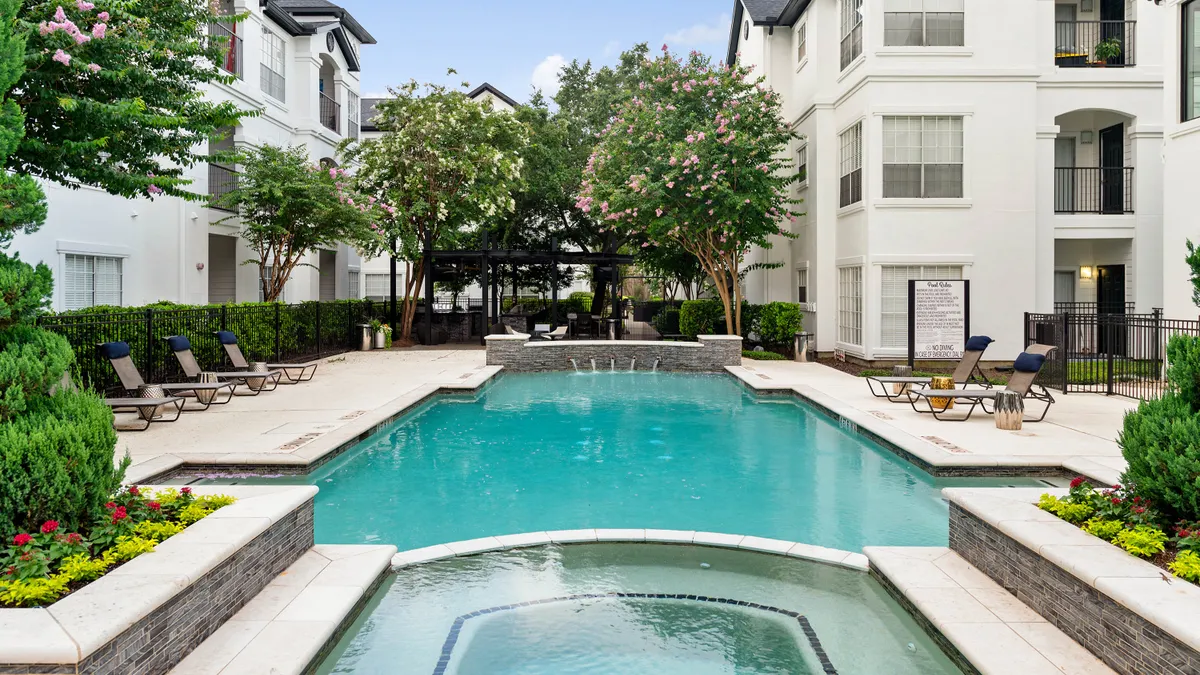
x=761 y=13
x=322 y=7
x=477 y=91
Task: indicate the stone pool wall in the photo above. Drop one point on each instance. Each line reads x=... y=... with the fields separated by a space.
x=518 y=353
x=1126 y=642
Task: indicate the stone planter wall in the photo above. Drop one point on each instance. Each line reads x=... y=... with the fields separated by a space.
x=147 y=615
x=711 y=354
x=1124 y=610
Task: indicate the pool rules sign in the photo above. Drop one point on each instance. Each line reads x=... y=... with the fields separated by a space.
x=939 y=319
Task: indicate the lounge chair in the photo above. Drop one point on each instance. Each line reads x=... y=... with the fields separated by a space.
x=293 y=373
x=117 y=354
x=144 y=407
x=556 y=334
x=255 y=381
x=967 y=372
x=1025 y=369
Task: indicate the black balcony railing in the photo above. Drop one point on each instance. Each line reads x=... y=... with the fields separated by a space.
x=221 y=181
x=331 y=113
x=1094 y=44
x=227 y=34
x=1093 y=190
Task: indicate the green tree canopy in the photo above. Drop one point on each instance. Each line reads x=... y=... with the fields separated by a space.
x=695 y=158
x=22 y=204
x=114 y=93
x=444 y=166
x=289 y=207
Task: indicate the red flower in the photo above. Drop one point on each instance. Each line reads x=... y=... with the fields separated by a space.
x=21 y=539
x=1185 y=533
x=49 y=526
x=185 y=491
x=154 y=506
x=110 y=505
x=1139 y=509
x=1116 y=500
x=133 y=490
x=74 y=538
x=1077 y=481
x=119 y=514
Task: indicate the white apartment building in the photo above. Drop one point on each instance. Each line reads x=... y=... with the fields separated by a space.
x=946 y=139
x=1181 y=152
x=298 y=62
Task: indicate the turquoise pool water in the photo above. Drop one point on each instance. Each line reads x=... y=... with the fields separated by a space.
x=624 y=450
x=547 y=611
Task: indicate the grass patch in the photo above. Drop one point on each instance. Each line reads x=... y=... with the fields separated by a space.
x=1096 y=371
x=763 y=356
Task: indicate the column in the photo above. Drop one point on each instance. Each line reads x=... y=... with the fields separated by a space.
x=1043 y=300
x=1148 y=240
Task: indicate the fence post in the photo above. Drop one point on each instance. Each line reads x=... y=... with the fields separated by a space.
x=1066 y=350
x=1158 y=336
x=1110 y=341
x=278 y=331
x=1026 y=337
x=224 y=317
x=152 y=370
x=318 y=329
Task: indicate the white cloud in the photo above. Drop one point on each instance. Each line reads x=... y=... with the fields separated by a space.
x=612 y=49
x=716 y=32
x=545 y=75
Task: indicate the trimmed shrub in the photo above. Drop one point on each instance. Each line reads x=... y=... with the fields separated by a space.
x=701 y=317
x=763 y=356
x=24 y=290
x=778 y=323
x=666 y=322
x=31 y=361
x=56 y=462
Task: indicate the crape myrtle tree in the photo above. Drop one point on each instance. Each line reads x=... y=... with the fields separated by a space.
x=113 y=94
x=446 y=164
x=696 y=159
x=289 y=207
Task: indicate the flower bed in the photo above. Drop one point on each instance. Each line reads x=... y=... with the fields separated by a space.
x=39 y=568
x=1120 y=516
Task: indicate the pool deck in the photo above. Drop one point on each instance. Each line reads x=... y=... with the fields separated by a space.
x=352 y=394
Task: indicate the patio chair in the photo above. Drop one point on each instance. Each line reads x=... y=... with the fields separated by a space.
x=144 y=407
x=1025 y=370
x=293 y=373
x=966 y=372
x=182 y=348
x=117 y=354
x=556 y=334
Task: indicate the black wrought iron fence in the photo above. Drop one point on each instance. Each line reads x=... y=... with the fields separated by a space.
x=266 y=332
x=1114 y=354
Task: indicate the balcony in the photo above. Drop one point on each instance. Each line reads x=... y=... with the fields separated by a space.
x=227 y=35
x=1093 y=190
x=221 y=181
x=1094 y=44
x=331 y=113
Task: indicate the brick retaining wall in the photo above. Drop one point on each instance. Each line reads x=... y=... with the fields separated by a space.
x=519 y=354
x=1125 y=641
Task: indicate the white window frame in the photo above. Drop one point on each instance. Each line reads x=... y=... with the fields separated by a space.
x=95 y=295
x=941 y=144
x=801 y=43
x=851 y=44
x=352 y=279
x=802 y=163
x=262 y=291
x=273 y=62
x=893 y=297
x=850 y=305
x=802 y=282
x=369 y=285
x=924 y=8
x=353 y=114
x=850 y=143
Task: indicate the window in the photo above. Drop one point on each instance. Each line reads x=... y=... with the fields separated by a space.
x=801 y=42
x=923 y=23
x=851 y=31
x=802 y=286
x=272 y=69
x=1191 y=60
x=894 y=298
x=265 y=275
x=746 y=30
x=802 y=165
x=379 y=286
x=850 y=305
x=851 y=184
x=353 y=114
x=90 y=280
x=352 y=288
x=923 y=157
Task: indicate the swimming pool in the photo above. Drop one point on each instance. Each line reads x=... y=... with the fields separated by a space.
x=620 y=609
x=564 y=451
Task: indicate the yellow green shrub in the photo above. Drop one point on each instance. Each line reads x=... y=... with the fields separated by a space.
x=1143 y=540
x=128 y=548
x=157 y=531
x=1105 y=529
x=33 y=592
x=1186 y=566
x=82 y=568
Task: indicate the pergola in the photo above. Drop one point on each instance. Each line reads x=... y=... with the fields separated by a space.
x=488 y=257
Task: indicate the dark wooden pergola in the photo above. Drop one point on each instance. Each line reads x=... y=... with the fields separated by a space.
x=488 y=257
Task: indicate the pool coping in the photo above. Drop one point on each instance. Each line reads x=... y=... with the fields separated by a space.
x=920 y=453
x=779 y=547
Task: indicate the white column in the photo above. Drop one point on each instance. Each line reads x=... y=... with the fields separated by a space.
x=1044 y=239
x=1148 y=241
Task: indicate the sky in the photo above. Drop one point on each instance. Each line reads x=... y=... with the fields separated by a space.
x=518 y=44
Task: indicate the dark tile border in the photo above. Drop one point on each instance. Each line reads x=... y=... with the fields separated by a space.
x=962 y=662
x=805 y=626
x=1126 y=642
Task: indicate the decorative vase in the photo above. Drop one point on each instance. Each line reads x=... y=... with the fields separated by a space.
x=943 y=382
x=148 y=413
x=206 y=396
x=899 y=389
x=257 y=383
x=1010 y=410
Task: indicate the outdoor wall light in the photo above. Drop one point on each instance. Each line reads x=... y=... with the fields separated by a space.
x=1085 y=272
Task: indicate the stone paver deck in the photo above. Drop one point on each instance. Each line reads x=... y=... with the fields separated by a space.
x=994 y=630
x=1079 y=432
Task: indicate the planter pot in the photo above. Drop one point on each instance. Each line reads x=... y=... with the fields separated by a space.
x=380 y=339
x=206 y=396
x=150 y=391
x=257 y=383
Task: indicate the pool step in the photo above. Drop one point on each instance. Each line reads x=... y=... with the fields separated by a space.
x=973 y=618
x=297 y=618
